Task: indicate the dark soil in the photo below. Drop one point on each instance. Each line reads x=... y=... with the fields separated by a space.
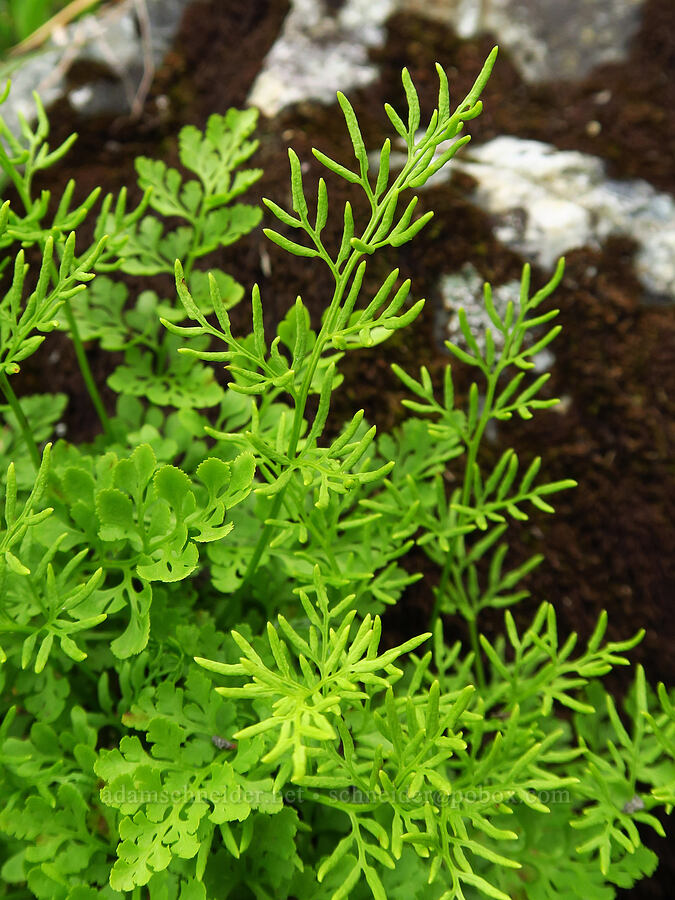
x=611 y=543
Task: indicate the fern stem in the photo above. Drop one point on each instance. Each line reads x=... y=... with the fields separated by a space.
x=478 y=658
x=263 y=540
x=86 y=372
x=340 y=286
x=457 y=546
x=440 y=590
x=26 y=432
x=341 y=282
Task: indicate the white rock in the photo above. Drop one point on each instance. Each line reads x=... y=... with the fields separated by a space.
x=550 y=222
x=548 y=202
x=81 y=97
x=317 y=54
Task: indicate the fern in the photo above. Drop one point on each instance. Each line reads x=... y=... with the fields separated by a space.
x=198 y=696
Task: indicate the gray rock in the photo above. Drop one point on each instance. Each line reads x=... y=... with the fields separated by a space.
x=464 y=290
x=547 y=39
x=320 y=51
x=318 y=54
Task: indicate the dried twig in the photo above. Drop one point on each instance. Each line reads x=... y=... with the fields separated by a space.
x=62 y=18
x=136 y=93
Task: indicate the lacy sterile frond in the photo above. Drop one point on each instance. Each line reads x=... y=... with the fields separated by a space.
x=147 y=521
x=209 y=218
x=173 y=795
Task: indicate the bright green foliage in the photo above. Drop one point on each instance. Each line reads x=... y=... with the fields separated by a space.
x=198 y=695
x=152 y=367
x=159 y=793
x=20 y=318
x=60 y=829
x=307 y=699
x=483 y=500
x=147 y=520
x=42 y=412
x=203 y=204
